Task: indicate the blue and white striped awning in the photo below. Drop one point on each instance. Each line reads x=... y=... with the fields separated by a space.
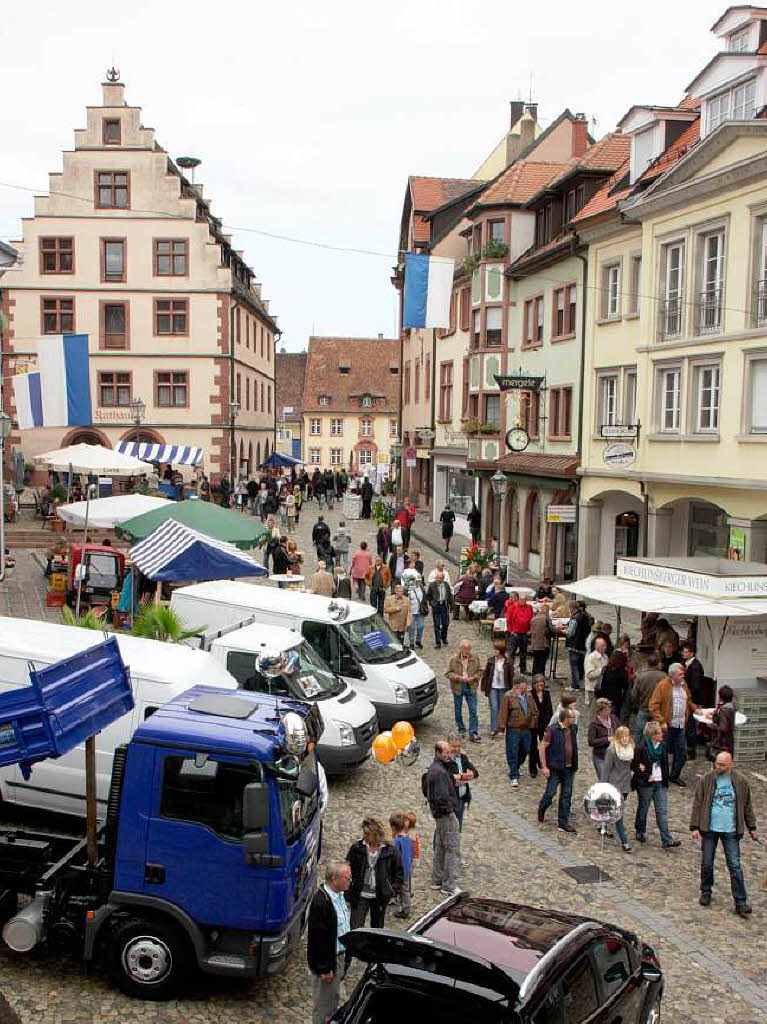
x=175 y=552
x=175 y=454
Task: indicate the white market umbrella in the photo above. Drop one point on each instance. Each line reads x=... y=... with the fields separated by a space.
x=106 y=513
x=93 y=458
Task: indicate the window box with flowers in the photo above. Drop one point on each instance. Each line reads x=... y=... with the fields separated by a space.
x=472 y=427
x=495 y=251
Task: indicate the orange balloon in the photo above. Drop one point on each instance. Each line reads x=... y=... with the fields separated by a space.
x=402 y=733
x=384 y=748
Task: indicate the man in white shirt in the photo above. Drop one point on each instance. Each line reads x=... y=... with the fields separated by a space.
x=328 y=921
x=439 y=566
x=593 y=664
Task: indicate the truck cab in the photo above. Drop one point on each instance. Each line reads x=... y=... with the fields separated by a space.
x=103 y=570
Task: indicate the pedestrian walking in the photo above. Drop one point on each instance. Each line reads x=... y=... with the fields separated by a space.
x=497 y=678
x=378 y=579
x=416 y=595
x=723 y=720
x=542 y=699
x=440 y=598
x=383 y=541
x=463 y=673
x=342 y=583
x=397 y=613
x=328 y=921
x=616 y=771
x=641 y=691
x=320 y=532
x=279 y=555
x=447 y=519
x=671 y=706
x=474 y=519
x=342 y=540
x=650 y=779
x=614 y=683
x=367 y=498
x=519 y=615
x=405 y=845
x=559 y=763
x=397 y=564
x=376 y=871
x=440 y=788
x=464 y=773
x=576 y=631
x=541 y=633
x=320 y=582
x=290 y=507
x=594 y=664
x=439 y=566
x=722 y=810
x=518 y=716
x=361 y=562
x=601 y=730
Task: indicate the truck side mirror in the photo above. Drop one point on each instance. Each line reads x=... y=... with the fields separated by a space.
x=255 y=806
x=308 y=782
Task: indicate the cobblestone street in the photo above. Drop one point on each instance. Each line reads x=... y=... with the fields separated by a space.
x=713 y=961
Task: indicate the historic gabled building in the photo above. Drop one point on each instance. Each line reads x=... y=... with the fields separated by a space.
x=289 y=373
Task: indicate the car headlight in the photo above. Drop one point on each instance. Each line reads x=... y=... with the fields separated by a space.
x=346 y=733
x=401 y=695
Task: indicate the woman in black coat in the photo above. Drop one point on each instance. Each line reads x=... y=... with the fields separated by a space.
x=614 y=683
x=447 y=519
x=474 y=519
x=542 y=699
x=377 y=871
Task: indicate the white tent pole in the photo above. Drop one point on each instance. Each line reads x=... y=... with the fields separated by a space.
x=81 y=566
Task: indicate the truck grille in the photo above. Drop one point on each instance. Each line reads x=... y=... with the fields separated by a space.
x=426 y=694
x=364 y=734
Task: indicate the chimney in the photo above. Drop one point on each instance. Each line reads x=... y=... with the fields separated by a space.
x=516 y=110
x=526 y=131
x=580 y=135
x=532 y=110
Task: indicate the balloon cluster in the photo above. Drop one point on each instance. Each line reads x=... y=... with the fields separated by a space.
x=398 y=744
x=603 y=803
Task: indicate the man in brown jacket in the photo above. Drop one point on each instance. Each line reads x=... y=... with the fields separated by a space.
x=722 y=809
x=397 y=612
x=464 y=672
x=321 y=582
x=671 y=705
x=518 y=715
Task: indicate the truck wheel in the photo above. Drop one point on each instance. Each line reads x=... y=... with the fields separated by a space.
x=147 y=959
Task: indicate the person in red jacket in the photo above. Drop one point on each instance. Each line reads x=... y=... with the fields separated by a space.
x=519 y=615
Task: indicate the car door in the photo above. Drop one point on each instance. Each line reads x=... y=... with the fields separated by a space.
x=619 y=975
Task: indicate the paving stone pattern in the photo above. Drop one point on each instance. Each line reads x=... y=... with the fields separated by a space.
x=714 y=962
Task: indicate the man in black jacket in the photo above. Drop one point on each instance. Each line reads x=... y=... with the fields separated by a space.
x=693 y=676
x=328 y=921
x=320 y=532
x=468 y=773
x=576 y=634
x=444 y=805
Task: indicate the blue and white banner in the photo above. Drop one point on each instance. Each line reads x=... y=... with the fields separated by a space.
x=428 y=289
x=58 y=394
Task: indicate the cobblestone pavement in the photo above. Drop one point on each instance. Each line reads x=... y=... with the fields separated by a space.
x=714 y=962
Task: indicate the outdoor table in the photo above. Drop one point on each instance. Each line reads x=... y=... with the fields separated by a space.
x=283 y=580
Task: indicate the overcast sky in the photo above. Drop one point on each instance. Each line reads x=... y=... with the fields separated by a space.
x=309 y=117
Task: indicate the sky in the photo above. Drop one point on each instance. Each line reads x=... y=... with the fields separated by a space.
x=308 y=118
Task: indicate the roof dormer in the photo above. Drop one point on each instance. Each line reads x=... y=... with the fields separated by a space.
x=652 y=130
x=741 y=29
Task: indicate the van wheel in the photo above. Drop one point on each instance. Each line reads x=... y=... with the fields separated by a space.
x=147 y=959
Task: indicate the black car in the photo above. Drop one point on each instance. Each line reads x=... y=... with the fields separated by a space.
x=482 y=961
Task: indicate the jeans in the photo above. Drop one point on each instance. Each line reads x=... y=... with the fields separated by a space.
x=643 y=717
x=539 y=662
x=361 y=588
x=731 y=846
x=471 y=702
x=266 y=558
x=359 y=913
x=676 y=745
x=403 y=897
x=576 y=667
x=377 y=598
x=342 y=558
x=415 y=629
x=447 y=852
x=620 y=831
x=326 y=995
x=517 y=749
x=599 y=763
x=440 y=615
x=559 y=778
x=494 y=698
x=535 y=761
x=518 y=642
x=656 y=794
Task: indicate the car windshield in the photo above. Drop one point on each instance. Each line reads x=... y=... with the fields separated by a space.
x=313 y=677
x=309 y=677
x=371 y=640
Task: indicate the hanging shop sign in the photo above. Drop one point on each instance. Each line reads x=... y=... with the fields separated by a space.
x=619 y=454
x=519 y=382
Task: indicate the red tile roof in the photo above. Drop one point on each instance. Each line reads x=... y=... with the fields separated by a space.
x=429 y=193
x=289 y=371
x=520 y=182
x=540 y=465
x=368 y=360
x=606 y=155
x=689 y=103
x=421 y=229
x=689 y=137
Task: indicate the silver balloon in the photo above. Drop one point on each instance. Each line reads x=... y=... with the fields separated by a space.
x=603 y=803
x=271 y=663
x=410 y=754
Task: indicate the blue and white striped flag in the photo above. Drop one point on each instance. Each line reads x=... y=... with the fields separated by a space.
x=58 y=393
x=428 y=289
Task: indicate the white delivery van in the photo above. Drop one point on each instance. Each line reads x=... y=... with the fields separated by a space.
x=348 y=717
x=349 y=636
x=158 y=672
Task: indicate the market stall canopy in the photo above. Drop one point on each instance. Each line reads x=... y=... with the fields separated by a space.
x=203 y=516
x=175 y=454
x=279 y=461
x=106 y=513
x=93 y=458
x=177 y=553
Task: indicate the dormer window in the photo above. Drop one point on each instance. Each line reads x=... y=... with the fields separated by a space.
x=111 y=134
x=643 y=151
x=735 y=104
x=344 y=368
x=740 y=42
x=367 y=401
x=324 y=399
x=393 y=369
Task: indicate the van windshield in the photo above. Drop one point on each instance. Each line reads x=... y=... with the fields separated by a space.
x=372 y=640
x=313 y=676
x=311 y=679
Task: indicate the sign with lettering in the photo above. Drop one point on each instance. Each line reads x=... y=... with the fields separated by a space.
x=692 y=582
x=560 y=513
x=520 y=382
x=619 y=454
x=619 y=430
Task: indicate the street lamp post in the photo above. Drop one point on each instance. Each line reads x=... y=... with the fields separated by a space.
x=138 y=410
x=5 y=429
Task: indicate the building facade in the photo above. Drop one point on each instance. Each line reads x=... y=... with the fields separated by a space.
x=350 y=398
x=289 y=374
x=125 y=249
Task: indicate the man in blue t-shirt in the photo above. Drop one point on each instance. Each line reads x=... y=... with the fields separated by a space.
x=722 y=810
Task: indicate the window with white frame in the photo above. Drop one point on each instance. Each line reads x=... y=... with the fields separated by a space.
x=314 y=427
x=324 y=399
x=608 y=400
x=314 y=456
x=392 y=428
x=366 y=427
x=740 y=42
x=760 y=287
x=365 y=457
x=673 y=289
x=707 y=399
x=635 y=278
x=712 y=282
x=611 y=291
x=336 y=456
x=367 y=401
x=670 y=400
x=493 y=325
x=758 y=396
x=630 y=396
x=737 y=103
x=336 y=427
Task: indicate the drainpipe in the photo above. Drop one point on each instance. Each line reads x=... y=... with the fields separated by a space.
x=433 y=422
x=646 y=518
x=581 y=380
x=277 y=334
x=232 y=440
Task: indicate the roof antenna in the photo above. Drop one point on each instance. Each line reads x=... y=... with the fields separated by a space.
x=530 y=100
x=594 y=124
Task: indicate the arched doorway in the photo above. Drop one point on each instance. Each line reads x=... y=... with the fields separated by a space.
x=511 y=529
x=532 y=557
x=258 y=455
x=626 y=535
x=266 y=449
x=85 y=435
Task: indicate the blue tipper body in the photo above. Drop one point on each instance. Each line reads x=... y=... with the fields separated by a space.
x=67 y=702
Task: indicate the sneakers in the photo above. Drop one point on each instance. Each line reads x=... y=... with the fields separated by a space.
x=419 y=645
x=436 y=888
x=743 y=910
x=567 y=828
x=495 y=735
x=626 y=847
x=476 y=738
x=450 y=892
x=515 y=783
x=705 y=899
x=674 y=843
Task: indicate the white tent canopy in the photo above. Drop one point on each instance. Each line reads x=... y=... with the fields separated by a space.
x=646 y=597
x=106 y=513
x=93 y=458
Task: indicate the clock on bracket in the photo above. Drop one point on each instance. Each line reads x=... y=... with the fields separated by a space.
x=517 y=439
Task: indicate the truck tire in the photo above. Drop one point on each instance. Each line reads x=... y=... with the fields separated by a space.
x=147 y=959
